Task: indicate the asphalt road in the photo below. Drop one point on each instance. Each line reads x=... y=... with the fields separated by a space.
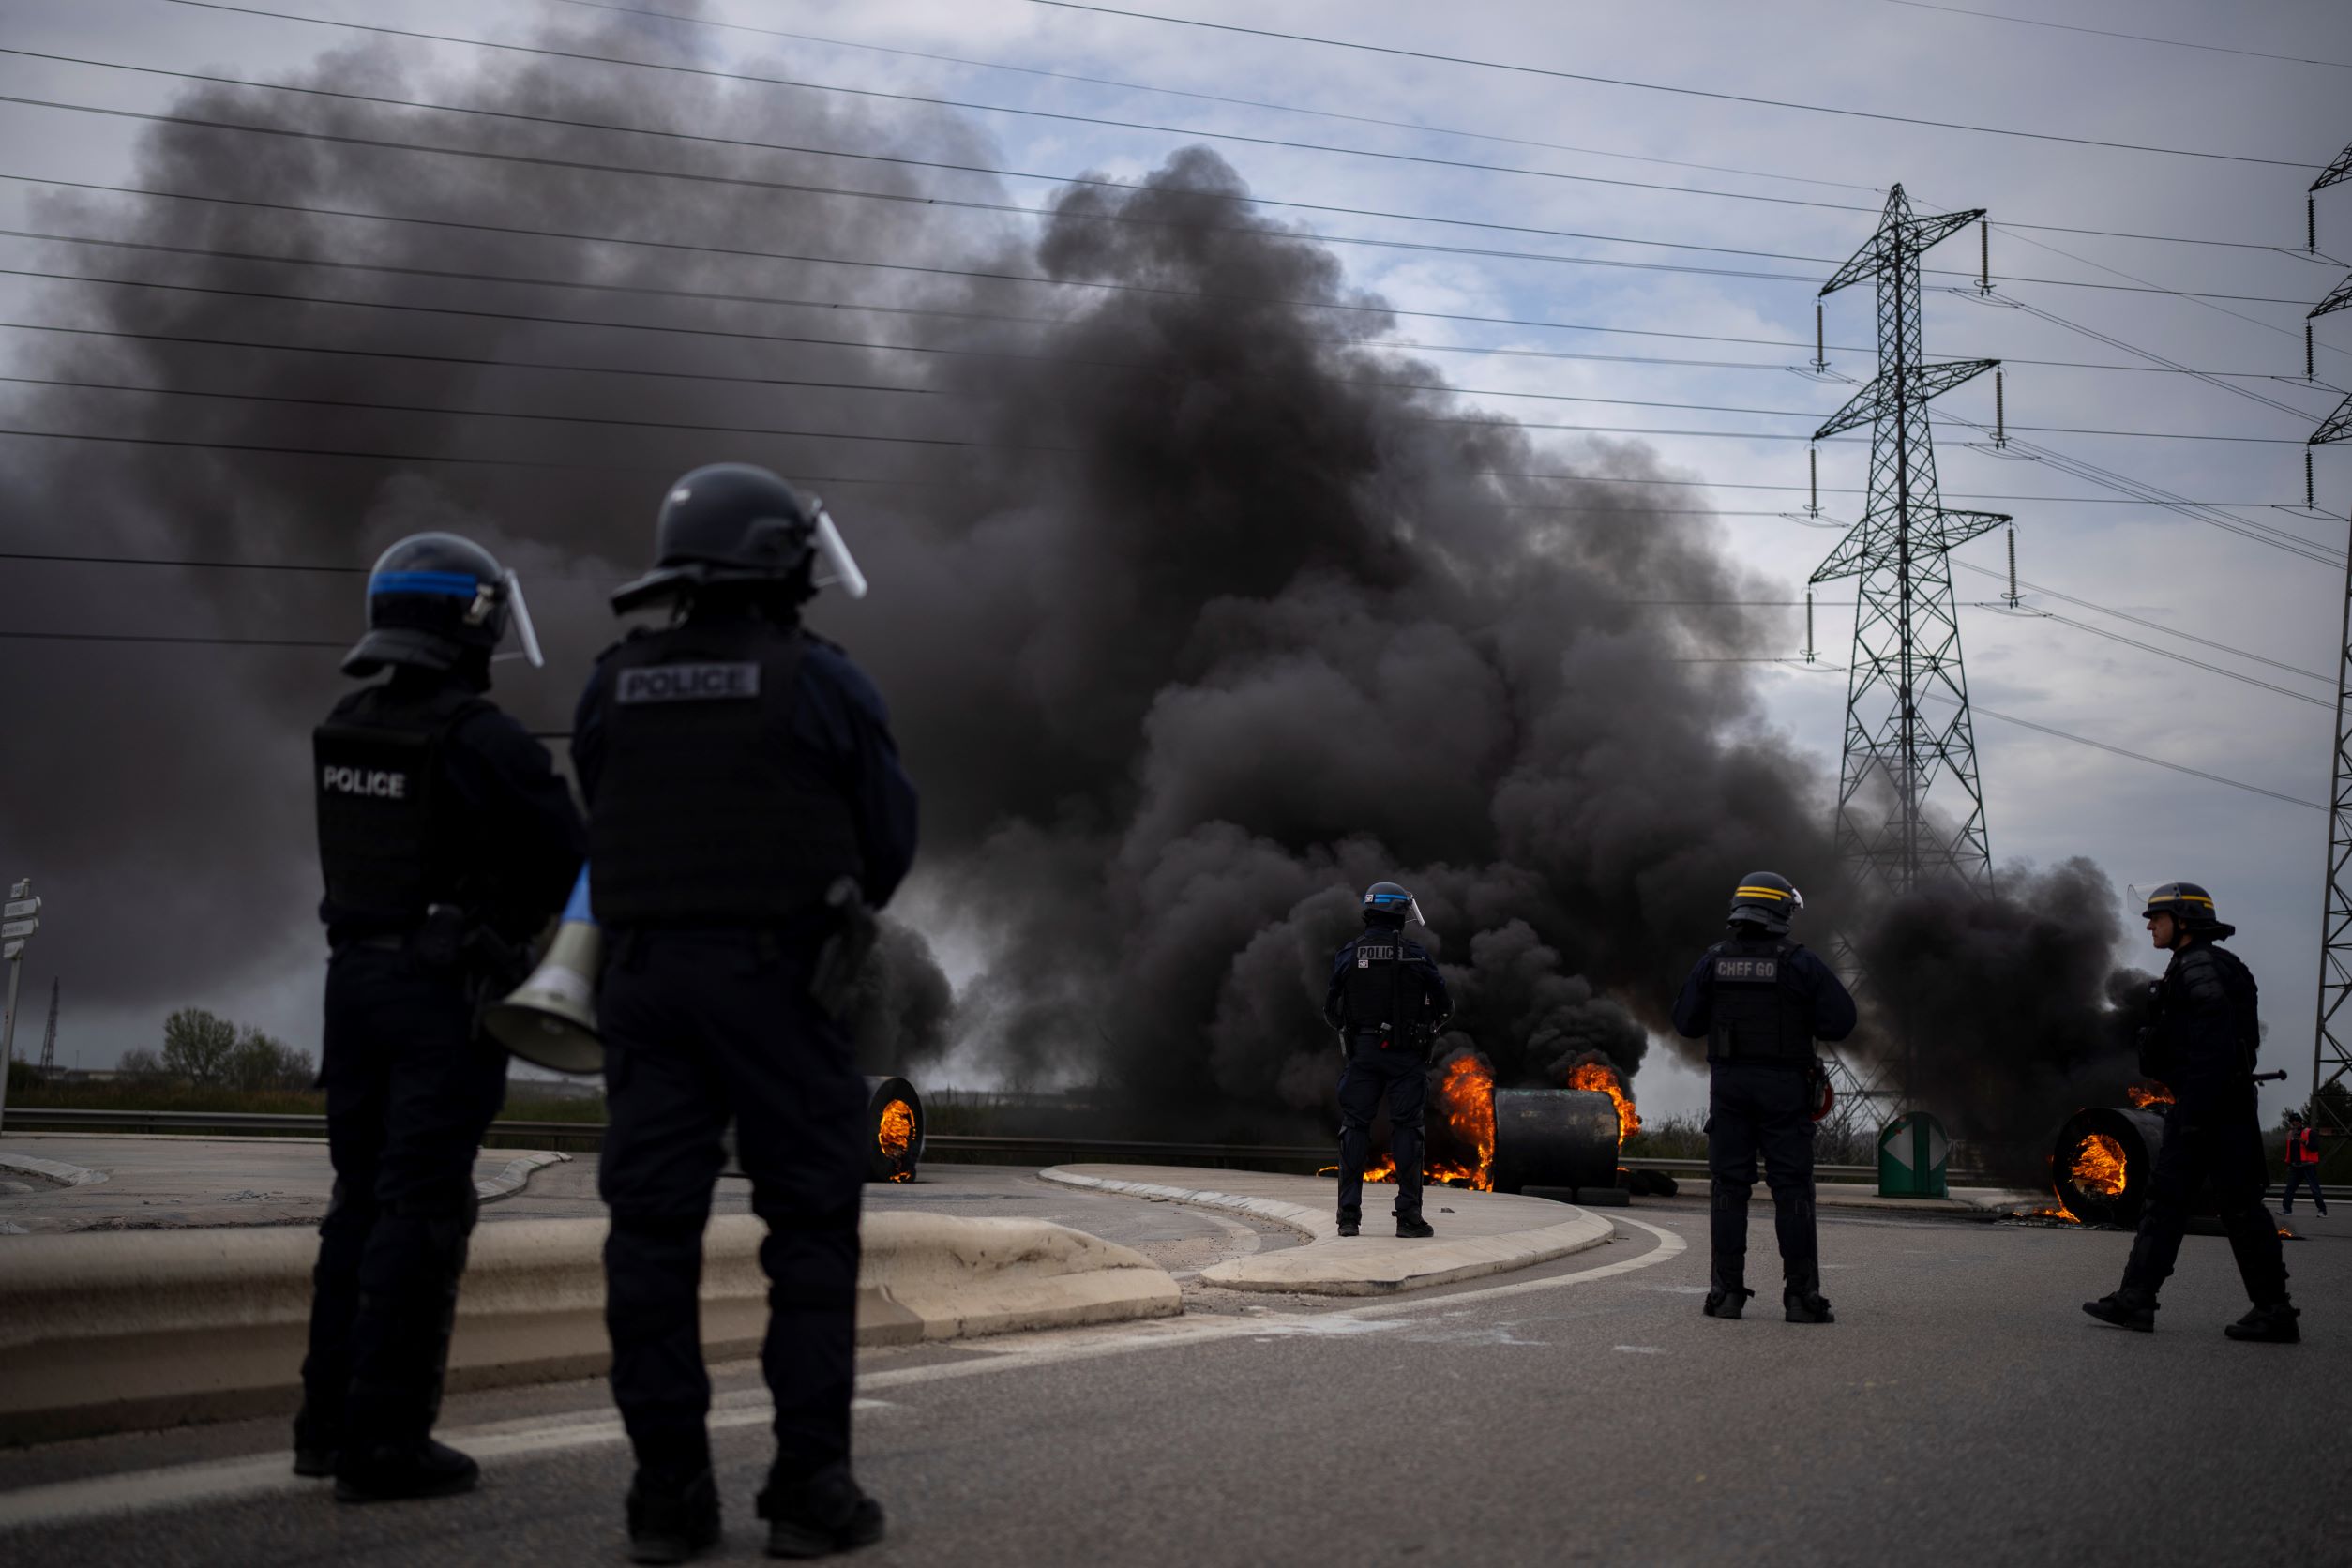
x=1962 y=1410
x=185 y=1183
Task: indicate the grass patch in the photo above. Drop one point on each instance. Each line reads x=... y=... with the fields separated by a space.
x=133 y=1094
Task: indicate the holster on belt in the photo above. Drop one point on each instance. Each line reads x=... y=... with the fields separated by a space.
x=833 y=979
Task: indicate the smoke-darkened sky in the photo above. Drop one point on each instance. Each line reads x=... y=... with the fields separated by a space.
x=1199 y=599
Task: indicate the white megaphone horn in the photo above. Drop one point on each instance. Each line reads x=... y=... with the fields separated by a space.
x=550 y=1020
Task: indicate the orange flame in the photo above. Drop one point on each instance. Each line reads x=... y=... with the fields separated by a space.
x=1465 y=1096
x=895 y=1135
x=2142 y=1095
x=1600 y=1077
x=1465 y=1103
x=2098 y=1166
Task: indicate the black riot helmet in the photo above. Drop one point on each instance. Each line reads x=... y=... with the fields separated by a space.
x=1387 y=904
x=2191 y=908
x=734 y=523
x=1766 y=898
x=438 y=602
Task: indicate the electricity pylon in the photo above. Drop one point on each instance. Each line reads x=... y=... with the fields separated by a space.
x=2332 y=1039
x=1910 y=808
x=1907 y=627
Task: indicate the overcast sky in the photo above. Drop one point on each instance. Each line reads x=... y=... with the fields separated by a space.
x=1824 y=177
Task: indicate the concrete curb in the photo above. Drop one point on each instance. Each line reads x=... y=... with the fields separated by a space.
x=57 y=1171
x=119 y=1332
x=1334 y=1265
x=517 y=1175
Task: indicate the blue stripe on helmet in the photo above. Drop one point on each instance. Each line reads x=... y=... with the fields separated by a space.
x=462 y=585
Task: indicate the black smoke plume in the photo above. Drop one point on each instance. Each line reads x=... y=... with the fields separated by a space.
x=2010 y=1010
x=1197 y=610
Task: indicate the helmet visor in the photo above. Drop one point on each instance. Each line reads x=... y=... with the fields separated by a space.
x=524 y=631
x=840 y=567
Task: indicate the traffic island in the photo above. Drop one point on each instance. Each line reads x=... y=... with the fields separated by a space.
x=1479 y=1233
x=121 y=1182
x=113 y=1333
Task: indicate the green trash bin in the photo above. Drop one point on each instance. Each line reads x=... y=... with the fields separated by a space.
x=1912 y=1152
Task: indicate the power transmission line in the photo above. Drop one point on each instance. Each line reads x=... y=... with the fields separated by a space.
x=1413 y=125
x=444 y=411
x=2109 y=32
x=898 y=482
x=989 y=275
x=2023 y=613
x=723 y=296
x=2159 y=360
x=540 y=160
x=2140 y=620
x=865 y=345
x=1371 y=120
x=2153 y=495
x=128 y=639
x=2142 y=757
x=1522 y=69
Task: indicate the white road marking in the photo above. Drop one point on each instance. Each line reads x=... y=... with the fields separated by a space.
x=1640 y=1349
x=260 y=1475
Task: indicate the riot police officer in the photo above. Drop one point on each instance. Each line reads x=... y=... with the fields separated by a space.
x=1760 y=999
x=447 y=842
x=2201 y=1042
x=1388 y=1003
x=739 y=772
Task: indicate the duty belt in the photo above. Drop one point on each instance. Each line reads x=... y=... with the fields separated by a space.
x=389 y=942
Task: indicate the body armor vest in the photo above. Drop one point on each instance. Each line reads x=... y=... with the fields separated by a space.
x=1756 y=1015
x=2175 y=1045
x=708 y=812
x=387 y=843
x=1384 y=995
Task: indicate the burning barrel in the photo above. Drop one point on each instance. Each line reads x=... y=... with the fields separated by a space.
x=1554 y=1138
x=894 y=1118
x=2103 y=1162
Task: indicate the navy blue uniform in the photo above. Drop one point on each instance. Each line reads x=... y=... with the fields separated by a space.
x=409 y=1084
x=1387 y=1000
x=764 y=763
x=1760 y=1002
x=2202 y=1045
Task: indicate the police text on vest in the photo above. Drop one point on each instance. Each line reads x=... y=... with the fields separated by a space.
x=373 y=783
x=688 y=682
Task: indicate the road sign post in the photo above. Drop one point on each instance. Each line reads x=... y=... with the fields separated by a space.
x=18 y=919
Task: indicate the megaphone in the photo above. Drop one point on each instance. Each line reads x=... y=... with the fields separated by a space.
x=550 y=1020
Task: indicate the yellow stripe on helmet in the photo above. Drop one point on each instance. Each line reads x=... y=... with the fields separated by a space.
x=1765 y=893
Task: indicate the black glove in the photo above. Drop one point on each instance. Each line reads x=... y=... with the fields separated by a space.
x=833 y=980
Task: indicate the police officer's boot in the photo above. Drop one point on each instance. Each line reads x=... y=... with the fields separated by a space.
x=316 y=1438
x=819 y=1514
x=1350 y=1224
x=1801 y=1299
x=1413 y=1227
x=2126 y=1308
x=394 y=1472
x=2274 y=1324
x=672 y=1519
x=1726 y=1294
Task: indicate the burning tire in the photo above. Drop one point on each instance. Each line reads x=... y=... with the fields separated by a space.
x=2103 y=1162
x=1554 y=1138
x=894 y=1122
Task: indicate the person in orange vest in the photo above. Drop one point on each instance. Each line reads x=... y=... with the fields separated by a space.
x=2302 y=1162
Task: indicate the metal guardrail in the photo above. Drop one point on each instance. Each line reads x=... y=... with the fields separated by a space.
x=1042 y=1150
x=1304 y=1159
